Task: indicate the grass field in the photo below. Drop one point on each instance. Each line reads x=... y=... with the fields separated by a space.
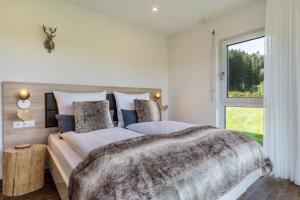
x=249 y=121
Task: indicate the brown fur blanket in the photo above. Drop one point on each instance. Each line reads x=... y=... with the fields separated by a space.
x=200 y=163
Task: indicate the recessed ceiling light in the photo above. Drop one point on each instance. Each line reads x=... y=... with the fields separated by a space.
x=154 y=9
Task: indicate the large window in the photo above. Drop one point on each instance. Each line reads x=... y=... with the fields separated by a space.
x=242 y=83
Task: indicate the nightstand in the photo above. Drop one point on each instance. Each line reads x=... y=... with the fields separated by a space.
x=23 y=169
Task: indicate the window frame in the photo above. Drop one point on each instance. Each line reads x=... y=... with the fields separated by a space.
x=235 y=102
x=245 y=102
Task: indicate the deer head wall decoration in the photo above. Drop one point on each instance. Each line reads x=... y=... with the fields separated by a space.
x=48 y=43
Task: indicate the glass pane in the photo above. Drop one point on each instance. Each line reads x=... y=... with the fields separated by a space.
x=250 y=121
x=246 y=69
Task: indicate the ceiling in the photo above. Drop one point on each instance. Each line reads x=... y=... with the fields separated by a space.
x=173 y=15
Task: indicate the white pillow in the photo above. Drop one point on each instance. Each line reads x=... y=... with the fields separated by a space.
x=125 y=101
x=64 y=100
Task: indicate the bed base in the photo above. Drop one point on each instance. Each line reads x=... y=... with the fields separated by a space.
x=62 y=181
x=242 y=187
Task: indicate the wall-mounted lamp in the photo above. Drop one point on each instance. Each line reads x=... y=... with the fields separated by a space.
x=23 y=102
x=163 y=108
x=157 y=96
x=24 y=94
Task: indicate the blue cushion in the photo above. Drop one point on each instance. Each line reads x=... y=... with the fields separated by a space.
x=129 y=116
x=66 y=123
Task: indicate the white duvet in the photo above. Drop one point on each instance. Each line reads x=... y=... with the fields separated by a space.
x=159 y=127
x=83 y=143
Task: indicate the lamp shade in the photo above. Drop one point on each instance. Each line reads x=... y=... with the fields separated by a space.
x=23 y=94
x=157 y=96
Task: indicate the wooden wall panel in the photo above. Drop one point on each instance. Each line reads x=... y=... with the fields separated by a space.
x=39 y=133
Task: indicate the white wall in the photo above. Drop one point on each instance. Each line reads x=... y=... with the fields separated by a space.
x=90 y=48
x=190 y=58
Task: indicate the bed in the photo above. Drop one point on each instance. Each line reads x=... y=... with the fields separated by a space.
x=78 y=162
x=64 y=159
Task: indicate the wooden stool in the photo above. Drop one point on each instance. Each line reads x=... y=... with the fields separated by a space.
x=23 y=169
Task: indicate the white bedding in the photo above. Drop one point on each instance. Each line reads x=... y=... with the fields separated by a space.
x=83 y=143
x=159 y=127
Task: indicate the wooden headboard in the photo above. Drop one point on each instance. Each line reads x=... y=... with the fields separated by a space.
x=38 y=91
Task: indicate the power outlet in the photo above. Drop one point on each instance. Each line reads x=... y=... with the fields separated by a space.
x=24 y=124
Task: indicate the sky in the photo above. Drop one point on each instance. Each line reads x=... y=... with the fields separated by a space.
x=251 y=46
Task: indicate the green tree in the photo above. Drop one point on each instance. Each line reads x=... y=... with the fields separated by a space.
x=245 y=70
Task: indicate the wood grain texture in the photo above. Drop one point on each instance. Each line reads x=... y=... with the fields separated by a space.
x=23 y=169
x=48 y=192
x=39 y=134
x=269 y=188
x=61 y=181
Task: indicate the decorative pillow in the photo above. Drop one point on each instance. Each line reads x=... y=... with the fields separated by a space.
x=91 y=116
x=66 y=123
x=125 y=101
x=147 y=110
x=129 y=116
x=64 y=100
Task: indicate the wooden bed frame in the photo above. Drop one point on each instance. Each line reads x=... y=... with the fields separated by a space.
x=60 y=178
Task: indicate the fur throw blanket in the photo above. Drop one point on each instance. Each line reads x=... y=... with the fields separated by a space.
x=197 y=163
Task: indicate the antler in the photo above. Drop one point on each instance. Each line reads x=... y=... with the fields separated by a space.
x=52 y=31
x=45 y=31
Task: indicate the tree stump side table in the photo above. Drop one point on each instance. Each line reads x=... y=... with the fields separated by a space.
x=23 y=169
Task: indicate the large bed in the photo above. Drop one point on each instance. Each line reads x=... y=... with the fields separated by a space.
x=66 y=164
x=65 y=154
x=154 y=159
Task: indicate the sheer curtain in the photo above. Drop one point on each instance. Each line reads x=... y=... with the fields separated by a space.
x=282 y=88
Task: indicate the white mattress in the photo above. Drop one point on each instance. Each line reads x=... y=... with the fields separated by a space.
x=159 y=127
x=66 y=156
x=83 y=143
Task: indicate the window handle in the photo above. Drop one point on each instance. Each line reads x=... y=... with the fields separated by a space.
x=222 y=75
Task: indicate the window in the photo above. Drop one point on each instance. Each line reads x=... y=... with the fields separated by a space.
x=242 y=83
x=245 y=69
x=250 y=121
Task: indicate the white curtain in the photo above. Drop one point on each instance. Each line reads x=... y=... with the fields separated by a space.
x=282 y=88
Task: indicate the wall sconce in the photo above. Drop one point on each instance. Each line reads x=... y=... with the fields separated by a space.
x=163 y=108
x=23 y=102
x=23 y=112
x=157 y=96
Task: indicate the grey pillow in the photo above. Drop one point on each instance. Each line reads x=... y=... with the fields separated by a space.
x=147 y=110
x=66 y=123
x=129 y=116
x=91 y=116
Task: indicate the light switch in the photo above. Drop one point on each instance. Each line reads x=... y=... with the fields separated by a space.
x=17 y=124
x=27 y=124
x=24 y=124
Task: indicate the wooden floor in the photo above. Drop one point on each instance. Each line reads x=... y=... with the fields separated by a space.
x=264 y=189
x=269 y=188
x=48 y=192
